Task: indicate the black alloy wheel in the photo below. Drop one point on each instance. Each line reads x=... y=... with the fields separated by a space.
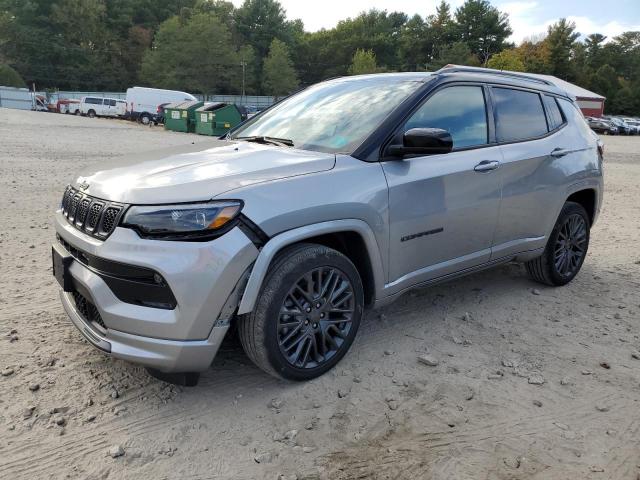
x=566 y=248
x=571 y=245
x=307 y=314
x=316 y=317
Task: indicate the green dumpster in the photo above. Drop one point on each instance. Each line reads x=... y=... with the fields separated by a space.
x=180 y=117
x=217 y=118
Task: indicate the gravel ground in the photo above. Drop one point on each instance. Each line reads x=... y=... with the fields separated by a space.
x=529 y=381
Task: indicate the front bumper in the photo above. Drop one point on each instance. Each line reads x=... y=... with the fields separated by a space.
x=204 y=277
x=163 y=355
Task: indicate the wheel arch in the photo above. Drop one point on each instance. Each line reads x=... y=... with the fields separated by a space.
x=352 y=237
x=588 y=198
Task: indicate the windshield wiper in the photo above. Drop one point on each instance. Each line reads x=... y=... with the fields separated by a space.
x=281 y=142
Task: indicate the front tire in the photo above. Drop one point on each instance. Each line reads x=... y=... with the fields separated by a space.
x=91 y=114
x=566 y=248
x=307 y=315
x=145 y=119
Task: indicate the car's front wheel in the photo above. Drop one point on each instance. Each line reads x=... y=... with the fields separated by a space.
x=307 y=315
x=566 y=248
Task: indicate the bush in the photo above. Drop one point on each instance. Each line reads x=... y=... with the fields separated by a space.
x=10 y=78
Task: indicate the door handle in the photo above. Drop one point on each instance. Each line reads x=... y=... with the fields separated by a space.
x=559 y=152
x=486 y=166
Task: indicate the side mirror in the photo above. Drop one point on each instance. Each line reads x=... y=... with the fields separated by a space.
x=423 y=141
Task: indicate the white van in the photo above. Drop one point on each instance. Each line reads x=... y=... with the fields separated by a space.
x=101 y=107
x=142 y=102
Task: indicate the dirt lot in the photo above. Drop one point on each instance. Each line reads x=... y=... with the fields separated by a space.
x=478 y=414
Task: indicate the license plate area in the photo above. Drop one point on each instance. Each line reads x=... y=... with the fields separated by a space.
x=61 y=262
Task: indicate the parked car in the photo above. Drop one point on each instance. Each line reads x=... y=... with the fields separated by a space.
x=158 y=118
x=600 y=125
x=623 y=128
x=142 y=102
x=340 y=198
x=101 y=107
x=634 y=125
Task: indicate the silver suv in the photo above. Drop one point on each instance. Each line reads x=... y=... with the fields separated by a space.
x=339 y=198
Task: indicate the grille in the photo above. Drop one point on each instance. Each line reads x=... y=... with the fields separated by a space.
x=109 y=219
x=88 y=310
x=81 y=213
x=90 y=215
x=94 y=216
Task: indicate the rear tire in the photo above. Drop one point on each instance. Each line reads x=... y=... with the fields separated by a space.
x=307 y=314
x=566 y=248
x=145 y=119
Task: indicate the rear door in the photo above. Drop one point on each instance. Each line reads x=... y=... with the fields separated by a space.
x=537 y=152
x=443 y=208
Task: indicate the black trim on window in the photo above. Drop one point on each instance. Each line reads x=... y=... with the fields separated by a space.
x=397 y=130
x=371 y=149
x=549 y=133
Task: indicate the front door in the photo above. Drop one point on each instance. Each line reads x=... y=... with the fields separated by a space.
x=443 y=208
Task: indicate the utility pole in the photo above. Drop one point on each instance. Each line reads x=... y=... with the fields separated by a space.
x=244 y=65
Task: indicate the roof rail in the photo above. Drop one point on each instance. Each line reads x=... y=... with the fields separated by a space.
x=491 y=71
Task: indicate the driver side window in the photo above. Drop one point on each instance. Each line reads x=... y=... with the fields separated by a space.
x=460 y=110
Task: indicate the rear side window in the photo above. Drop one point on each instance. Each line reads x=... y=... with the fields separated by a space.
x=519 y=115
x=459 y=110
x=106 y=101
x=574 y=117
x=112 y=103
x=553 y=111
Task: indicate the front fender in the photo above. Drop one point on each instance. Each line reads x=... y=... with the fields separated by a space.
x=277 y=243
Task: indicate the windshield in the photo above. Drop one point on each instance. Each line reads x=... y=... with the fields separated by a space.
x=334 y=116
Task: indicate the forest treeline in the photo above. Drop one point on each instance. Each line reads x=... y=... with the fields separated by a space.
x=210 y=46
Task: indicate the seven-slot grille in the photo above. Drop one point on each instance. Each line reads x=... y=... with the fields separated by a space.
x=93 y=216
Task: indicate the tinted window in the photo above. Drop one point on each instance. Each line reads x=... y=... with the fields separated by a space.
x=106 y=101
x=519 y=115
x=575 y=117
x=555 y=116
x=112 y=103
x=458 y=110
x=93 y=101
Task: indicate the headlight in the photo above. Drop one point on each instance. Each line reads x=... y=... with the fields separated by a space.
x=182 y=221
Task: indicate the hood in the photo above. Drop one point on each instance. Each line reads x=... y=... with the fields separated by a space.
x=197 y=172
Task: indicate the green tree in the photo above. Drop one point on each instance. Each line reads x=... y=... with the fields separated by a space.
x=195 y=55
x=364 y=61
x=280 y=77
x=258 y=22
x=440 y=31
x=457 y=53
x=593 y=49
x=605 y=81
x=507 y=60
x=10 y=78
x=560 y=41
x=483 y=28
x=413 y=50
x=534 y=56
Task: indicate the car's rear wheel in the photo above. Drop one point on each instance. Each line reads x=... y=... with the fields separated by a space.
x=566 y=248
x=307 y=315
x=145 y=119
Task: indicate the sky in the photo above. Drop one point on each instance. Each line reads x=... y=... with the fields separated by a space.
x=528 y=17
